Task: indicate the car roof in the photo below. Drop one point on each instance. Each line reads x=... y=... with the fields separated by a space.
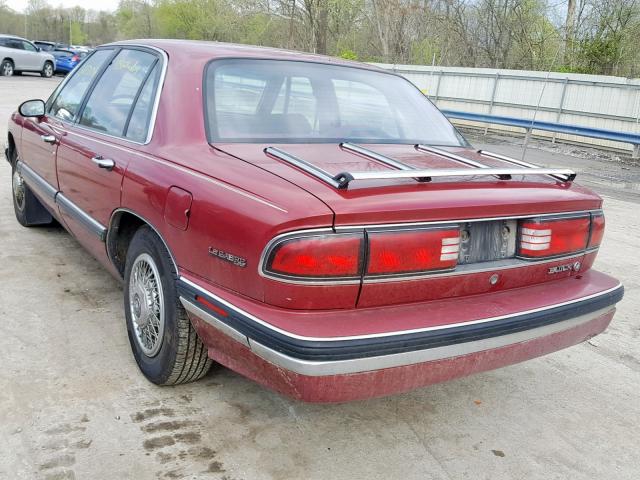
x=4 y=35
x=212 y=50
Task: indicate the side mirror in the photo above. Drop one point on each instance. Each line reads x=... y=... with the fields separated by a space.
x=32 y=108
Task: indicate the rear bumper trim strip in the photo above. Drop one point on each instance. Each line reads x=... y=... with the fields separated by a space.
x=345 y=348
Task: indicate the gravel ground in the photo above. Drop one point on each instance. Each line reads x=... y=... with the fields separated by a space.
x=73 y=404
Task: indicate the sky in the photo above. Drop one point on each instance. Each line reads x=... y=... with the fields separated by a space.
x=19 y=5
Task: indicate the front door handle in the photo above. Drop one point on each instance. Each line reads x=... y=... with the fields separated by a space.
x=105 y=163
x=48 y=138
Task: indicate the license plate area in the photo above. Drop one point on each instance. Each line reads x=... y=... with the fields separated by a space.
x=487 y=241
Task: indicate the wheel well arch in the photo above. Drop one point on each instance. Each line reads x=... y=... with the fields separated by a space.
x=11 y=148
x=123 y=225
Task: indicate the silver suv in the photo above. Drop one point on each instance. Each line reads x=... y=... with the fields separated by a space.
x=18 y=55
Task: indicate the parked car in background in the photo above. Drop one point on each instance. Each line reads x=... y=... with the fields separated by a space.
x=80 y=48
x=18 y=55
x=315 y=224
x=45 y=46
x=66 y=60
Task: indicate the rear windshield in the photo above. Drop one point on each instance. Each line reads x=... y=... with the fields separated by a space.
x=276 y=101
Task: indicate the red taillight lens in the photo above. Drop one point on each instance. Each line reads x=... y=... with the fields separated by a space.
x=318 y=256
x=413 y=251
x=597 y=229
x=558 y=236
x=75 y=58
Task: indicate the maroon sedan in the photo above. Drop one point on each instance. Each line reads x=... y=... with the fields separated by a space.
x=314 y=224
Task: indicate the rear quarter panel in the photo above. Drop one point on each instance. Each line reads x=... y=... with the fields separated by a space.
x=225 y=215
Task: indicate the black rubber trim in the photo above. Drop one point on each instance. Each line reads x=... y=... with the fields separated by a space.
x=370 y=347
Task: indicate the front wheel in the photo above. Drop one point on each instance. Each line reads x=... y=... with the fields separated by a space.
x=6 y=68
x=164 y=343
x=28 y=209
x=47 y=70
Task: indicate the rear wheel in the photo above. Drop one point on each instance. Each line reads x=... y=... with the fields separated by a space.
x=47 y=70
x=164 y=343
x=6 y=68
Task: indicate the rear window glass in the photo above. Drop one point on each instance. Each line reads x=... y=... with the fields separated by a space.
x=279 y=101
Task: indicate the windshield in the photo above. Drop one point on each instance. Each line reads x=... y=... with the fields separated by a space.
x=280 y=101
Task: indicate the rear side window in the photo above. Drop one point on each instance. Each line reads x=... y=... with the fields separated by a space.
x=13 y=43
x=65 y=103
x=138 y=123
x=110 y=103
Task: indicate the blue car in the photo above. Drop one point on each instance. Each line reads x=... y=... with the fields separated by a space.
x=66 y=60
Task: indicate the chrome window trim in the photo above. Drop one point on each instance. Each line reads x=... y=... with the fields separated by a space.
x=156 y=103
x=253 y=318
x=515 y=262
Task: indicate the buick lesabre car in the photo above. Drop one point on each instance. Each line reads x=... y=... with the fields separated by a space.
x=314 y=224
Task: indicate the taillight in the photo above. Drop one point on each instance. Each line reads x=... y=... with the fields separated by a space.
x=394 y=252
x=413 y=251
x=322 y=256
x=597 y=229
x=75 y=58
x=551 y=237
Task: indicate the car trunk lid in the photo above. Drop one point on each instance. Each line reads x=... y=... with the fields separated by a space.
x=483 y=207
x=408 y=200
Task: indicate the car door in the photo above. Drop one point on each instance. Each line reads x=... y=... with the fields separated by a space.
x=18 y=55
x=32 y=57
x=93 y=156
x=41 y=136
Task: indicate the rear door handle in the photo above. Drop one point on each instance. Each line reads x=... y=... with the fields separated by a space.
x=48 y=138
x=105 y=163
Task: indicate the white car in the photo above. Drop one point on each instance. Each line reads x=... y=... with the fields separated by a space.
x=18 y=55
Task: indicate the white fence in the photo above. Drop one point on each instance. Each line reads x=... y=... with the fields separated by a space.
x=604 y=102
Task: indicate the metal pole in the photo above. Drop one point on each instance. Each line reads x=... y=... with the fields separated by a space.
x=636 y=148
x=440 y=75
x=493 y=97
x=564 y=92
x=433 y=67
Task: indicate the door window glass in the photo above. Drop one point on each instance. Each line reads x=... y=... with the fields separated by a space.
x=139 y=122
x=28 y=47
x=108 y=107
x=65 y=103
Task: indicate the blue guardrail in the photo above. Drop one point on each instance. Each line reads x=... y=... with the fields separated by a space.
x=624 y=137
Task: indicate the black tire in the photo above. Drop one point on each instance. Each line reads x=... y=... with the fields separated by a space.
x=28 y=209
x=181 y=356
x=47 y=70
x=6 y=68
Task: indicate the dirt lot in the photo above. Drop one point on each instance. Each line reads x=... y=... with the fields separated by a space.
x=73 y=404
